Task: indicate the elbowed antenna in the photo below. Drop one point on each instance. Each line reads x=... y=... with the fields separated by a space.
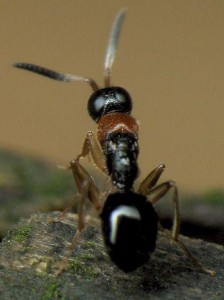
x=56 y=75
x=112 y=45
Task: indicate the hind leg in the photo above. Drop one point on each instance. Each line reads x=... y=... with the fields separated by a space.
x=148 y=188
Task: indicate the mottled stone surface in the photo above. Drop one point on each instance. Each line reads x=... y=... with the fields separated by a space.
x=31 y=251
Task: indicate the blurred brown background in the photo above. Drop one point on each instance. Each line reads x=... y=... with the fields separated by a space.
x=170 y=58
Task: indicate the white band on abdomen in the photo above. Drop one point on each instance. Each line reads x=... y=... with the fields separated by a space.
x=121 y=211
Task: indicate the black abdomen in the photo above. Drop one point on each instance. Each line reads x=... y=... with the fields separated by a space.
x=121 y=152
x=129 y=225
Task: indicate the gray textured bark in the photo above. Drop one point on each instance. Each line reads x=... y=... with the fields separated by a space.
x=31 y=250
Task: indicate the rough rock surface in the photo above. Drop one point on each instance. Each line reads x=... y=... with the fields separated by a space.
x=32 y=249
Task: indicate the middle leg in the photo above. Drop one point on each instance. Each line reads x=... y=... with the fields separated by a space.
x=87 y=192
x=156 y=193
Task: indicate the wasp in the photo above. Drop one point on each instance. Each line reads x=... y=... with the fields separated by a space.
x=129 y=220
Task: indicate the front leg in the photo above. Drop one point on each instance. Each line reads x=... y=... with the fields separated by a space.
x=91 y=146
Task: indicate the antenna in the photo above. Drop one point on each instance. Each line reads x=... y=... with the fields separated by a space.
x=112 y=45
x=56 y=75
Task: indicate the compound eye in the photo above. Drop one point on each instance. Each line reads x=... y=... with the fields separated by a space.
x=96 y=105
x=109 y=100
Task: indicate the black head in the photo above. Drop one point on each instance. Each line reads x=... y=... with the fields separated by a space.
x=129 y=225
x=109 y=100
